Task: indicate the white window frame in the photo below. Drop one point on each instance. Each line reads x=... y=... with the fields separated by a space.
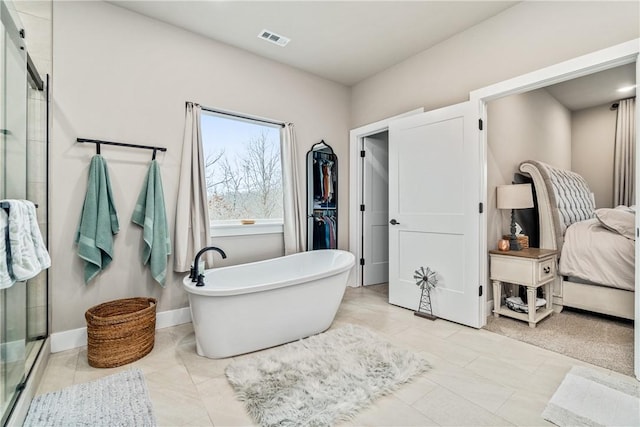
x=234 y=227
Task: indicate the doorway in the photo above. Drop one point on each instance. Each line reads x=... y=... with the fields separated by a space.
x=625 y=53
x=574 y=130
x=376 y=133
x=374 y=210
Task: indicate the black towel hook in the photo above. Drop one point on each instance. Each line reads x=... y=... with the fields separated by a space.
x=154 y=153
x=98 y=148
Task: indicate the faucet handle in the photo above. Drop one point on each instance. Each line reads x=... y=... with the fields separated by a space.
x=191 y=272
x=200 y=280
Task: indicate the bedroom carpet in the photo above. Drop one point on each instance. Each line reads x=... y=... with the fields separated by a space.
x=602 y=341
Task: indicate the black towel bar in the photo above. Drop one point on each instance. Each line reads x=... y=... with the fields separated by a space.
x=121 y=144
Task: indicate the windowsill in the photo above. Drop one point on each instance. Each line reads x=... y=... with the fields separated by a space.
x=235 y=228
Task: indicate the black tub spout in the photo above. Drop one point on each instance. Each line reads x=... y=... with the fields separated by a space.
x=197 y=276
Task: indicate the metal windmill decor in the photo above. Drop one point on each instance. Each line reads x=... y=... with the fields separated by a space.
x=426 y=279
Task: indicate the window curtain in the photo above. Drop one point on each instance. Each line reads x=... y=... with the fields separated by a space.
x=192 y=231
x=294 y=214
x=625 y=154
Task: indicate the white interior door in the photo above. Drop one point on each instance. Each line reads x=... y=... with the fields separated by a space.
x=434 y=196
x=375 y=238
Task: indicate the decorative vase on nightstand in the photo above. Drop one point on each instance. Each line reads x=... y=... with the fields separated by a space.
x=503 y=245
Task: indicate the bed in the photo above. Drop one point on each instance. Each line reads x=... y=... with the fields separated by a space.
x=596 y=246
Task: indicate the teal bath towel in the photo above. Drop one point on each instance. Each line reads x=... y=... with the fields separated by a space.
x=151 y=215
x=98 y=222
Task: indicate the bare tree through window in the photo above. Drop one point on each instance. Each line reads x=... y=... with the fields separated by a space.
x=243 y=169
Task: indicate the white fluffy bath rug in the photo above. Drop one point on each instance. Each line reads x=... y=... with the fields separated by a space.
x=322 y=379
x=120 y=399
x=587 y=397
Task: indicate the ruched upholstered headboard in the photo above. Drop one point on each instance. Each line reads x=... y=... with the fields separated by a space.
x=564 y=198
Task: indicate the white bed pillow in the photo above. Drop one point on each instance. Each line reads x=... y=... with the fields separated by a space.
x=619 y=221
x=630 y=209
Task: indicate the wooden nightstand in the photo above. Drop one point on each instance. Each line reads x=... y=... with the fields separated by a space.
x=530 y=267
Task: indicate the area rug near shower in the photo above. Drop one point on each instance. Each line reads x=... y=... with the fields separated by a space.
x=121 y=399
x=321 y=379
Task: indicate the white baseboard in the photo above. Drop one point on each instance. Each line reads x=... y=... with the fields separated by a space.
x=169 y=318
x=74 y=338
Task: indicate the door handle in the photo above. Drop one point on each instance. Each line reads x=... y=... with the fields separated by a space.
x=394 y=222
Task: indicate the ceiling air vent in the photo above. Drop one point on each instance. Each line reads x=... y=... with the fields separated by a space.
x=272 y=37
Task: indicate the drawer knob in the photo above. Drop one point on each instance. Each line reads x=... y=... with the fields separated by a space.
x=546 y=269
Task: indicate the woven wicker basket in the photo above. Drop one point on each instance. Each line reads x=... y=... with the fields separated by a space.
x=120 y=331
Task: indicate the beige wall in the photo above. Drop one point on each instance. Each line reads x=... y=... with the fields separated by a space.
x=593 y=142
x=529 y=126
x=525 y=37
x=522 y=39
x=119 y=76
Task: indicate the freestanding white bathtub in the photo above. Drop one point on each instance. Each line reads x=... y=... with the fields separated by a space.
x=248 y=307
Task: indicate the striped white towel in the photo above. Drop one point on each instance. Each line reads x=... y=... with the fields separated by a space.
x=28 y=252
x=5 y=278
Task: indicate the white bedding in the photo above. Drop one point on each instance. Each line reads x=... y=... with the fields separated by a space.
x=593 y=253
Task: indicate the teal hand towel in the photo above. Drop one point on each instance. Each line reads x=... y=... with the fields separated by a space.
x=98 y=222
x=151 y=215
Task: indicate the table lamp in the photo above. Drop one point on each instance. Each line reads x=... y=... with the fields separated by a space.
x=517 y=196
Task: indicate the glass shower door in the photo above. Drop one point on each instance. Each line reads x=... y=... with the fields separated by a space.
x=13 y=185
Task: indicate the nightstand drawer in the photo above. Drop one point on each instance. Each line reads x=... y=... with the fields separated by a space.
x=513 y=270
x=546 y=270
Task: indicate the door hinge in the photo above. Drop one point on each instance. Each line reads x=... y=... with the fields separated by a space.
x=480 y=290
x=480 y=124
x=361 y=261
x=362 y=152
x=480 y=207
x=361 y=208
x=22 y=33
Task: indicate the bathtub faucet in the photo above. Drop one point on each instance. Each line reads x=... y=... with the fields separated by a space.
x=199 y=276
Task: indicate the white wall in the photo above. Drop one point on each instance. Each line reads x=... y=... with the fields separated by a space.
x=119 y=76
x=523 y=38
x=592 y=150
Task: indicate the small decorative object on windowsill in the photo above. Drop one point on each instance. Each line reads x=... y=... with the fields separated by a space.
x=426 y=279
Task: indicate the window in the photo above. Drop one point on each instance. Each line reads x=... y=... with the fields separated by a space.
x=243 y=174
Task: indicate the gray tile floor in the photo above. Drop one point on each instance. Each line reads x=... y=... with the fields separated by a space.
x=478 y=378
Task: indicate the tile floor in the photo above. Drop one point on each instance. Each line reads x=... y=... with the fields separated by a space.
x=478 y=378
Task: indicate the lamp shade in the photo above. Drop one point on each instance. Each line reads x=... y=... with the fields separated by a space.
x=518 y=196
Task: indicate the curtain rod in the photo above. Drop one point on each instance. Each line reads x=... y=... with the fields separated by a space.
x=616 y=104
x=239 y=116
x=120 y=144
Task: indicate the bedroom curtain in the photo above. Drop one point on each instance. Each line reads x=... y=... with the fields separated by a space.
x=192 y=231
x=293 y=209
x=624 y=157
